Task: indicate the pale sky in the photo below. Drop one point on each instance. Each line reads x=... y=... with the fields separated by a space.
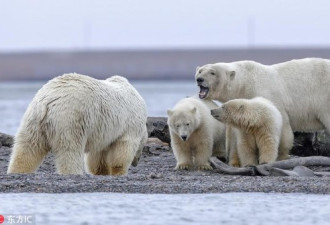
x=42 y=25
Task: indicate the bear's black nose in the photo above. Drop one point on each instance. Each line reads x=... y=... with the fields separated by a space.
x=184 y=137
x=200 y=80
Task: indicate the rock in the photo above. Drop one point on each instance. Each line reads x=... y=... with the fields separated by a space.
x=154 y=146
x=311 y=144
x=155 y=176
x=6 y=140
x=322 y=136
x=157 y=127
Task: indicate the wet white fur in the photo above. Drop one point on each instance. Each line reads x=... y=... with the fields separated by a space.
x=75 y=114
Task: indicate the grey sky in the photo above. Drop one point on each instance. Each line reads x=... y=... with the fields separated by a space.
x=125 y=24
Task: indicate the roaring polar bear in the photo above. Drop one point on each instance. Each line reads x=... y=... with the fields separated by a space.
x=75 y=114
x=300 y=89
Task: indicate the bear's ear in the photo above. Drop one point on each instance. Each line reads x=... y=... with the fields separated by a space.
x=231 y=74
x=169 y=112
x=193 y=110
x=197 y=68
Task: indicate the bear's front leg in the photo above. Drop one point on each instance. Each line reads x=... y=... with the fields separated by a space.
x=247 y=149
x=268 y=149
x=202 y=155
x=233 y=158
x=182 y=155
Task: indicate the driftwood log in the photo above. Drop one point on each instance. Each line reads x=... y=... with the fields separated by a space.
x=279 y=168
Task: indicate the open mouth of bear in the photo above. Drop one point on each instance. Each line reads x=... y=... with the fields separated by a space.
x=203 y=91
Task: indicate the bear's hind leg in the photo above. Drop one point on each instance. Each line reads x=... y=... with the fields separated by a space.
x=95 y=163
x=120 y=155
x=27 y=154
x=69 y=154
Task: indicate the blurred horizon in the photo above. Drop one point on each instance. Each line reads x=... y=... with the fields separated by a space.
x=138 y=64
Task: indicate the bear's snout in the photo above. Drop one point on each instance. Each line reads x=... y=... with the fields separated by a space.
x=216 y=113
x=200 y=80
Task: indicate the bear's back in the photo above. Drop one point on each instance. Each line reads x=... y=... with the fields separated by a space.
x=97 y=104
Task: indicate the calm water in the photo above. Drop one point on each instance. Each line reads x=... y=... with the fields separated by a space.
x=159 y=96
x=228 y=208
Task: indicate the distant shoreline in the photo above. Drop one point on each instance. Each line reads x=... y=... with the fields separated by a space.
x=160 y=64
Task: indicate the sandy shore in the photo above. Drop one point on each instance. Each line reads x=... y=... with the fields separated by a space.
x=154 y=174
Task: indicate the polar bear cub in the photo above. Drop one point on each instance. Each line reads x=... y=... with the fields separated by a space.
x=195 y=134
x=75 y=114
x=257 y=125
x=298 y=88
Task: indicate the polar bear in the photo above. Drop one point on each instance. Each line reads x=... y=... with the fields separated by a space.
x=232 y=134
x=195 y=134
x=298 y=88
x=259 y=125
x=75 y=114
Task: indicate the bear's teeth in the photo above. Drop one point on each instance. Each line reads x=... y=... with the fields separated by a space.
x=203 y=92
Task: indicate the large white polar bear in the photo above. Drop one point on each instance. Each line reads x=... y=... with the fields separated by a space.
x=300 y=89
x=75 y=114
x=195 y=134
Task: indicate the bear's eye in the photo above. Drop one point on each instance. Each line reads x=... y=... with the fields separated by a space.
x=187 y=124
x=200 y=71
x=212 y=73
x=177 y=125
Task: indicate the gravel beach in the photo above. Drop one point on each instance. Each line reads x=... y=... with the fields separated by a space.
x=154 y=174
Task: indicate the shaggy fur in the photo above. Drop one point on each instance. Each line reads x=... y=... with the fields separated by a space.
x=195 y=134
x=298 y=88
x=75 y=114
x=258 y=126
